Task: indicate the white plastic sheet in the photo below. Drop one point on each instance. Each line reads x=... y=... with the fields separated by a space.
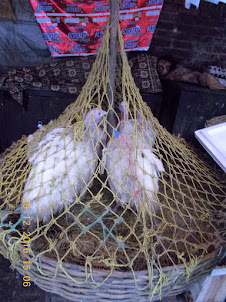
x=213 y=139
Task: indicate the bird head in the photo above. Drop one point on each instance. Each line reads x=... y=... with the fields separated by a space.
x=123 y=108
x=143 y=121
x=94 y=117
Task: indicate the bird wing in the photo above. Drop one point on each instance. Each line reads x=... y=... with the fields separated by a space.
x=154 y=160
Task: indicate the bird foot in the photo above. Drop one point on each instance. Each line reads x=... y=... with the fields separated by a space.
x=103 y=163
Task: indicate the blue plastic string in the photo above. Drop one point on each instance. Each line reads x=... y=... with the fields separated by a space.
x=116 y=133
x=13 y=226
x=106 y=231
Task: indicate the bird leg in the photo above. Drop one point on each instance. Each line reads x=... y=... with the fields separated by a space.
x=103 y=164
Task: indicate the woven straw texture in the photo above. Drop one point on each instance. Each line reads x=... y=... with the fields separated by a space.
x=119 y=287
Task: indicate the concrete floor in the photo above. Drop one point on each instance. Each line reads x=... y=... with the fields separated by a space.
x=12 y=290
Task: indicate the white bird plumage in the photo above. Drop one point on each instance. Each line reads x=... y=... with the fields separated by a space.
x=133 y=170
x=127 y=126
x=63 y=167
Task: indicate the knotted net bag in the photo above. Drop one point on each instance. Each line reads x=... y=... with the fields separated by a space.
x=129 y=200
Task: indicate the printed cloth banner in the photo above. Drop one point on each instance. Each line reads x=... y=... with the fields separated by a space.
x=76 y=27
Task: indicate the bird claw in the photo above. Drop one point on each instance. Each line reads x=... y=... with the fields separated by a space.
x=103 y=163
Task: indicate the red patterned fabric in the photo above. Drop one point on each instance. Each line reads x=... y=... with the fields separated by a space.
x=76 y=27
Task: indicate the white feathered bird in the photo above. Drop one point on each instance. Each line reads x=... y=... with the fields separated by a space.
x=127 y=126
x=133 y=171
x=63 y=167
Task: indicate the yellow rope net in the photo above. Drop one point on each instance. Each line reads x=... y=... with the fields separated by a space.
x=135 y=199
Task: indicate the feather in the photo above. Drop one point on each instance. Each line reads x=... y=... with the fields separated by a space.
x=128 y=126
x=62 y=168
x=133 y=174
x=133 y=169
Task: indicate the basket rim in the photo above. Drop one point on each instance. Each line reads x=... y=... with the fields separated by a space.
x=221 y=247
x=91 y=288
x=166 y=269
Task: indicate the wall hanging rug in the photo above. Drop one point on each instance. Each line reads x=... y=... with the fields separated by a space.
x=94 y=215
x=76 y=27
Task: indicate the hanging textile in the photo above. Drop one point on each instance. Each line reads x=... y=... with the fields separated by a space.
x=196 y=2
x=77 y=27
x=189 y=2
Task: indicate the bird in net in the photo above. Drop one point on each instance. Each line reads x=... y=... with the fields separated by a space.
x=62 y=167
x=132 y=166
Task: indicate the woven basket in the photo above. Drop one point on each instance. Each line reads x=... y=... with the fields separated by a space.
x=82 y=283
x=120 y=286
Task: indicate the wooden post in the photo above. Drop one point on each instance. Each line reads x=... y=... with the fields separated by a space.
x=114 y=8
